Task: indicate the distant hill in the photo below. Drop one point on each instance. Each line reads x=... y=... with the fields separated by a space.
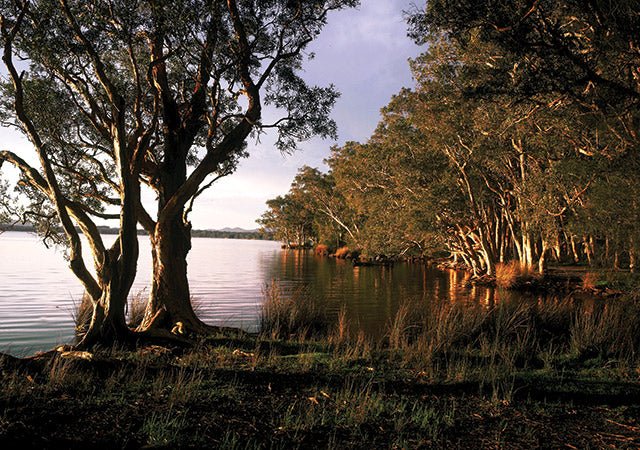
x=225 y=233
x=238 y=230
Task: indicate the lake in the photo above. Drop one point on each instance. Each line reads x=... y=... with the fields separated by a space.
x=227 y=277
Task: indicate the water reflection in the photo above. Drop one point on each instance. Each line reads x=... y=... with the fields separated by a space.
x=227 y=279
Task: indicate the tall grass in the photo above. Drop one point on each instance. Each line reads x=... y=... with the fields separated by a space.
x=136 y=308
x=607 y=330
x=81 y=314
x=461 y=341
x=509 y=275
x=290 y=314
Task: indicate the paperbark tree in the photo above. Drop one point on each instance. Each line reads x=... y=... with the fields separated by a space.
x=62 y=179
x=246 y=49
x=118 y=94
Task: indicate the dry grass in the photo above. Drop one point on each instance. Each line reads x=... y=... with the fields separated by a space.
x=508 y=274
x=340 y=334
x=136 y=308
x=590 y=280
x=342 y=252
x=81 y=314
x=607 y=329
x=398 y=328
x=290 y=314
x=456 y=342
x=321 y=250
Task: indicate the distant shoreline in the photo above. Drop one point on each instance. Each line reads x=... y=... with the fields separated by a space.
x=218 y=234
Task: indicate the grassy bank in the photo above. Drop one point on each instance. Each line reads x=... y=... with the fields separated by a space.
x=555 y=374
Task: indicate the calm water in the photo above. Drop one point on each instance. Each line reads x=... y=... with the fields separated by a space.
x=227 y=277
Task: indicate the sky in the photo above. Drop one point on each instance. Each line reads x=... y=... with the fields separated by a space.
x=364 y=52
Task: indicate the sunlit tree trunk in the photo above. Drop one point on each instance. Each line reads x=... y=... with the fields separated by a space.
x=574 y=249
x=542 y=258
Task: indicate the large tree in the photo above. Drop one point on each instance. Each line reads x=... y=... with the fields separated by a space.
x=118 y=94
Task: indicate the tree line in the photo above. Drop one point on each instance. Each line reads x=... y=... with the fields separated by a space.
x=518 y=142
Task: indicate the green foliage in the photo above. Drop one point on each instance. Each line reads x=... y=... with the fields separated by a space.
x=518 y=141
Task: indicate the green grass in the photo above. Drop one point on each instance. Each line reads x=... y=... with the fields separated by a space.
x=450 y=375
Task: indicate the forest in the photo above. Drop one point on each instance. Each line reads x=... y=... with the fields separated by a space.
x=518 y=142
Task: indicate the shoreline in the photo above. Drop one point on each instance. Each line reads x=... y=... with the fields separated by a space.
x=560 y=374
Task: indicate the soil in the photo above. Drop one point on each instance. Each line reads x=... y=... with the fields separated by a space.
x=162 y=398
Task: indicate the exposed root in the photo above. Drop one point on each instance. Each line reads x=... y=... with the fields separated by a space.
x=186 y=326
x=160 y=336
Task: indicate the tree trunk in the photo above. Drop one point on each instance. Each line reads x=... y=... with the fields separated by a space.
x=169 y=303
x=542 y=259
x=574 y=250
x=116 y=275
x=108 y=323
x=587 y=250
x=526 y=260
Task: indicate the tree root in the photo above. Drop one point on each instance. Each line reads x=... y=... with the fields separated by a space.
x=186 y=326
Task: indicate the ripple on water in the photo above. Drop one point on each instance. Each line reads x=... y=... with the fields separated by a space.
x=227 y=278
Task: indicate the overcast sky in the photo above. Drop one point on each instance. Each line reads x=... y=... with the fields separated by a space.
x=364 y=53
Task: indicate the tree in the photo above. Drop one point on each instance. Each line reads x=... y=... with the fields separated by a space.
x=309 y=212
x=575 y=60
x=585 y=52
x=165 y=94
x=290 y=221
x=5 y=204
x=490 y=179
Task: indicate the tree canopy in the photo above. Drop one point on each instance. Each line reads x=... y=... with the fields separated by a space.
x=518 y=141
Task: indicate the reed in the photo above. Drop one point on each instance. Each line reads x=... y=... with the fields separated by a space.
x=508 y=274
x=290 y=315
